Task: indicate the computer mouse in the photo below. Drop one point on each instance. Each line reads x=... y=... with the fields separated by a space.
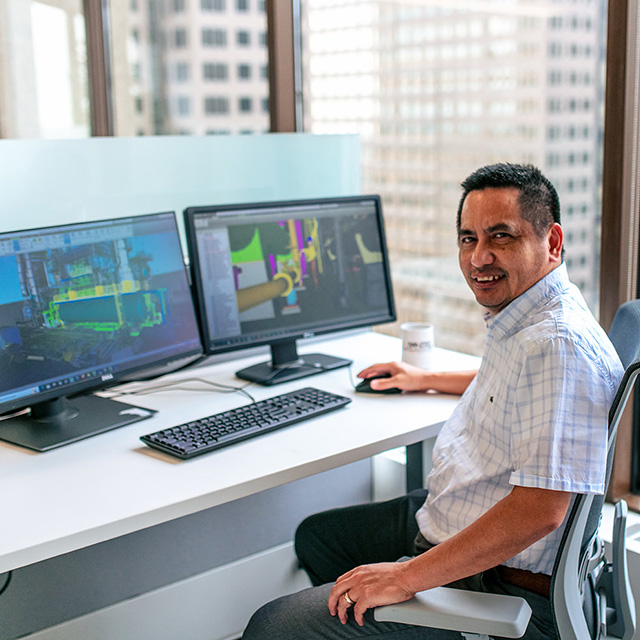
x=365 y=385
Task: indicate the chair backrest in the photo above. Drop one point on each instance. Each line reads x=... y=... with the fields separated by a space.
x=625 y=332
x=574 y=602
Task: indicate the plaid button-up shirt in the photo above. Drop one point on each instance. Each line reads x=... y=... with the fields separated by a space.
x=534 y=416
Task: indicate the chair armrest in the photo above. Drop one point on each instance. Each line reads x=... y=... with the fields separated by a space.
x=461 y=610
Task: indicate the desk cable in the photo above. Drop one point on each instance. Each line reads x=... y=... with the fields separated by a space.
x=217 y=386
x=176 y=386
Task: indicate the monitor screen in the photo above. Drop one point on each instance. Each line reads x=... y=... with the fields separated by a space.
x=84 y=306
x=274 y=272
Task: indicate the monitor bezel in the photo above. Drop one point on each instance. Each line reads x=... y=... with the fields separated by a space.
x=158 y=367
x=190 y=215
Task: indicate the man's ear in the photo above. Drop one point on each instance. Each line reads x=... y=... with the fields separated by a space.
x=554 y=238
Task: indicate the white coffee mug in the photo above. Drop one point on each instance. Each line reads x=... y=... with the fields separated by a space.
x=417 y=343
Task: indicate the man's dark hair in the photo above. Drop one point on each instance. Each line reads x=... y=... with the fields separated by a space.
x=539 y=202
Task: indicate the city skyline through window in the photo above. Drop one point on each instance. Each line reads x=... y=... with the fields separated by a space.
x=204 y=54
x=437 y=89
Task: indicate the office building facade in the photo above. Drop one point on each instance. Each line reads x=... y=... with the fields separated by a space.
x=438 y=89
x=192 y=67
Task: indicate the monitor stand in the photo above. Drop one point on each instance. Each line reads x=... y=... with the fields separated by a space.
x=52 y=424
x=286 y=365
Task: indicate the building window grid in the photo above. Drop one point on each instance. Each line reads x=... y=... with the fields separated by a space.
x=216 y=105
x=213 y=37
x=217 y=6
x=180 y=38
x=183 y=104
x=245 y=104
x=182 y=72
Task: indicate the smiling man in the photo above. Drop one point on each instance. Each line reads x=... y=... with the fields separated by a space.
x=529 y=432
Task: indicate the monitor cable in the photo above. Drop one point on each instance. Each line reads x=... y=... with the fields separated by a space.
x=176 y=386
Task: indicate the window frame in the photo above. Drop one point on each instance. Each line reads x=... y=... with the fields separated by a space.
x=621 y=205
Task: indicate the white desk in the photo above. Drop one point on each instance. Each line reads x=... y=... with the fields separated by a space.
x=112 y=484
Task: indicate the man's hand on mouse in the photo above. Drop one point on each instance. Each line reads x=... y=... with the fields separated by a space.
x=401 y=376
x=407 y=377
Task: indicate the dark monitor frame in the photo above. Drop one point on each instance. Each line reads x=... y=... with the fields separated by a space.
x=285 y=364
x=68 y=412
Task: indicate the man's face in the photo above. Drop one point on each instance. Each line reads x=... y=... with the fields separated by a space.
x=500 y=254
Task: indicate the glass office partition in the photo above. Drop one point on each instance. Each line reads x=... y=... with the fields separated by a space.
x=110 y=177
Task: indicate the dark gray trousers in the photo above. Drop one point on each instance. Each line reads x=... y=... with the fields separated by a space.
x=331 y=543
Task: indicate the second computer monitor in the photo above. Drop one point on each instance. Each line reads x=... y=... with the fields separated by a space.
x=273 y=272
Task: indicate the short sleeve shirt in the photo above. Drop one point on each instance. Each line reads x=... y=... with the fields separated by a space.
x=534 y=416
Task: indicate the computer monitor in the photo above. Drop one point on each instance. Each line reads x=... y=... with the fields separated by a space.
x=82 y=307
x=274 y=272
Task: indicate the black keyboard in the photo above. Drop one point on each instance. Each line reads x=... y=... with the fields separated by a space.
x=228 y=427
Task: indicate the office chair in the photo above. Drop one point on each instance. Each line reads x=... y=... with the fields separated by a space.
x=591 y=596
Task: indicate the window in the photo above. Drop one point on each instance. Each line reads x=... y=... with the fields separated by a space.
x=216 y=105
x=214 y=38
x=182 y=72
x=210 y=29
x=242 y=5
x=555 y=49
x=180 y=38
x=184 y=106
x=439 y=94
x=245 y=105
x=215 y=71
x=213 y=5
x=243 y=38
